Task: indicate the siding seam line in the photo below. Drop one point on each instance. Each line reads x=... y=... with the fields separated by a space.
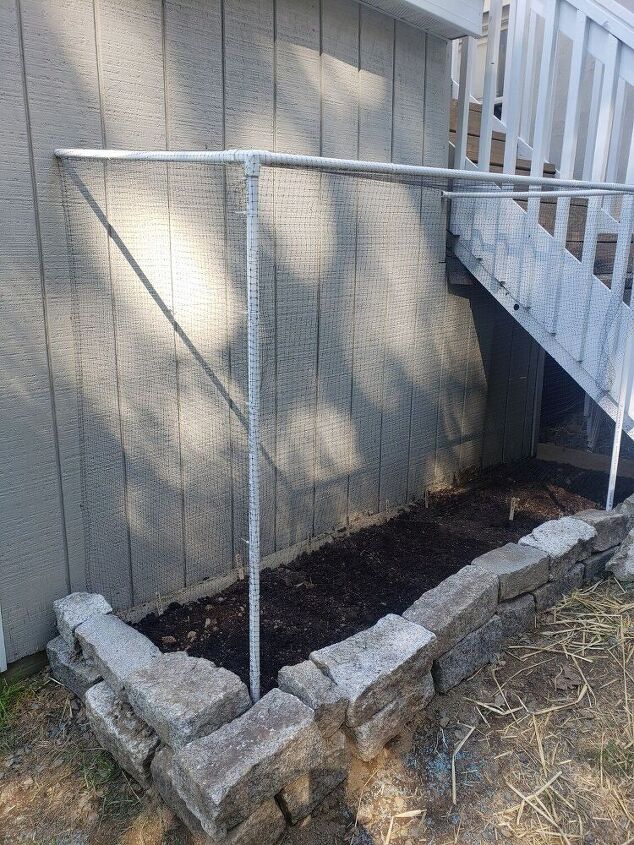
x=43 y=293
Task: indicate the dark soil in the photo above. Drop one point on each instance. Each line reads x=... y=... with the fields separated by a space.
x=347 y=585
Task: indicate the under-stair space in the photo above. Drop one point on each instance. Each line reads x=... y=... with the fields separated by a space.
x=561 y=265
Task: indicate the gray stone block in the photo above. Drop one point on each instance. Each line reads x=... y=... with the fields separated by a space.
x=310 y=685
x=519 y=569
x=517 y=615
x=225 y=776
x=611 y=527
x=457 y=606
x=551 y=593
x=184 y=697
x=622 y=564
x=115 y=648
x=627 y=509
x=566 y=540
x=73 y=671
x=163 y=779
x=299 y=798
x=369 y=738
x=76 y=608
x=265 y=826
x=130 y=741
x=373 y=667
x=476 y=650
x=594 y=566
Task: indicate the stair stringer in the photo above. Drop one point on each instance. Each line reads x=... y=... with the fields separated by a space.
x=502 y=248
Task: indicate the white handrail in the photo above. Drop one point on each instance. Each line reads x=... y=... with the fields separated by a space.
x=266 y=157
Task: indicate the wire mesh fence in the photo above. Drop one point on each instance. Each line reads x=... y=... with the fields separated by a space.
x=333 y=331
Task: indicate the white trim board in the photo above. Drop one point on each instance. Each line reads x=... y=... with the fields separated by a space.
x=446 y=18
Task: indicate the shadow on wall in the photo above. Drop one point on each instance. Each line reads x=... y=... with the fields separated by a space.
x=374 y=378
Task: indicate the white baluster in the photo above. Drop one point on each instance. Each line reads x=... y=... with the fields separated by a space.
x=490 y=84
x=512 y=105
x=467 y=54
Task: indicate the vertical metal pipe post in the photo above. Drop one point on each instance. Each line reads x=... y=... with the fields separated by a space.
x=625 y=395
x=252 y=172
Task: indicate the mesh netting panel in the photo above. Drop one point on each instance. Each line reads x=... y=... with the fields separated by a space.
x=375 y=374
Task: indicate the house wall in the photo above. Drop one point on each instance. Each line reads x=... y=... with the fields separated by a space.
x=105 y=480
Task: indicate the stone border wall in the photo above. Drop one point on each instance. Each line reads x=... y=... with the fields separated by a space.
x=240 y=773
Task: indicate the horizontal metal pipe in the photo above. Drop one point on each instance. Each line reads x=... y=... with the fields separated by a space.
x=320 y=163
x=527 y=195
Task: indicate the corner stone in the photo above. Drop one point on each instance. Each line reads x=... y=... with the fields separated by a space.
x=265 y=826
x=310 y=685
x=120 y=732
x=517 y=615
x=71 y=670
x=299 y=798
x=611 y=527
x=551 y=593
x=369 y=738
x=627 y=509
x=225 y=776
x=75 y=609
x=470 y=654
x=566 y=540
x=374 y=666
x=184 y=698
x=520 y=569
x=622 y=564
x=115 y=648
x=458 y=605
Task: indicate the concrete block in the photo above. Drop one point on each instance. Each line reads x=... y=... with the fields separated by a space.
x=476 y=650
x=566 y=540
x=115 y=648
x=299 y=798
x=622 y=564
x=517 y=615
x=76 y=608
x=611 y=527
x=129 y=740
x=373 y=667
x=594 y=566
x=184 y=697
x=551 y=593
x=458 y=605
x=310 y=685
x=369 y=738
x=519 y=569
x=73 y=671
x=225 y=776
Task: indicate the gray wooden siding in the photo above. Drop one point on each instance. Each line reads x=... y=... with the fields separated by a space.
x=311 y=76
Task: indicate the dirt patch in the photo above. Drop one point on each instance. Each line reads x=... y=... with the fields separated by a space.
x=347 y=585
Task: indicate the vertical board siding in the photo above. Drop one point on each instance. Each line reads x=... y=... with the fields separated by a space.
x=133 y=96
x=406 y=257
x=297 y=259
x=335 y=445
x=194 y=99
x=377 y=383
x=376 y=60
x=32 y=556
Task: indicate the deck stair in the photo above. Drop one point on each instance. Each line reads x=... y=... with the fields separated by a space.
x=560 y=266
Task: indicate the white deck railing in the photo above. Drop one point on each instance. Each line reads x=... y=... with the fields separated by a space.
x=554 y=79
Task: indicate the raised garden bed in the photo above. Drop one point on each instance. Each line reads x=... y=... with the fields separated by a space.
x=241 y=772
x=347 y=585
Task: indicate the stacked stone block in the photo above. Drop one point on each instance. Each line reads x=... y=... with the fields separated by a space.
x=239 y=773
